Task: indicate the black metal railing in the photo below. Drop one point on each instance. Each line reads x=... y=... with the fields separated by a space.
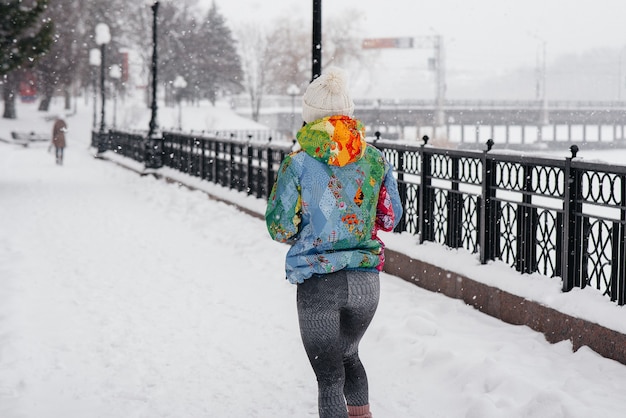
x=248 y=165
x=558 y=217
x=561 y=218
x=244 y=165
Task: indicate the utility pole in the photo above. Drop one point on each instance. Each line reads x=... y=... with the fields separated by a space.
x=440 y=71
x=544 y=97
x=619 y=78
x=541 y=74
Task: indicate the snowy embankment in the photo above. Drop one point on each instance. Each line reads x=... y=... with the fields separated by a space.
x=125 y=296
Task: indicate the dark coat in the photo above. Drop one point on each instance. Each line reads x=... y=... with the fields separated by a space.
x=58 y=133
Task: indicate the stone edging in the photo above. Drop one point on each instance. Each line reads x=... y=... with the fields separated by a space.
x=512 y=309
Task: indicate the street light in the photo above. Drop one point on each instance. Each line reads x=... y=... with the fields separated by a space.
x=94 y=61
x=115 y=73
x=179 y=85
x=293 y=91
x=317 y=39
x=154 y=147
x=103 y=37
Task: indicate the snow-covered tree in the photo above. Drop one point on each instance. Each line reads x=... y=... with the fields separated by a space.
x=280 y=56
x=61 y=66
x=23 y=40
x=218 y=63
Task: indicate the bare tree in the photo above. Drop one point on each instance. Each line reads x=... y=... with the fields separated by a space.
x=281 y=56
x=254 y=52
x=288 y=55
x=343 y=39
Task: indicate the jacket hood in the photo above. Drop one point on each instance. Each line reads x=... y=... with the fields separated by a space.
x=335 y=140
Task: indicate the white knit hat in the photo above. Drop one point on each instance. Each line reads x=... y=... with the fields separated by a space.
x=327 y=95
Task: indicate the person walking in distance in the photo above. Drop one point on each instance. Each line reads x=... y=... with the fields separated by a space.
x=58 y=139
x=328 y=202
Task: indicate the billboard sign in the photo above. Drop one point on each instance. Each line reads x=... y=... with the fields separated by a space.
x=377 y=43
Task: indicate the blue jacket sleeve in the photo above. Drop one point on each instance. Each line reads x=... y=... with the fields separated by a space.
x=283 y=212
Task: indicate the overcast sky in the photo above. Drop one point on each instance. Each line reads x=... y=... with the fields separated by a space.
x=478 y=34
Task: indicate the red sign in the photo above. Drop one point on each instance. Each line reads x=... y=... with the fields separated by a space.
x=377 y=43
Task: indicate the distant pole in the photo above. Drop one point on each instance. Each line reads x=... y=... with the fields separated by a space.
x=102 y=75
x=441 y=80
x=544 y=98
x=541 y=91
x=293 y=91
x=95 y=60
x=317 y=39
x=153 y=115
x=115 y=73
x=103 y=37
x=95 y=101
x=619 y=77
x=154 y=143
x=179 y=84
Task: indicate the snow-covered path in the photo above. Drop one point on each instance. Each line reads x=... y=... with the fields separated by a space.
x=122 y=296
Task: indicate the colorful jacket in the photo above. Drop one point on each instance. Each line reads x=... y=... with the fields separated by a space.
x=330 y=199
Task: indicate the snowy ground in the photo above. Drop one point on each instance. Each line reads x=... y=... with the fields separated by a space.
x=122 y=296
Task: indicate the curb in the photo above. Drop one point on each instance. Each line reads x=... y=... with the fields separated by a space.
x=507 y=307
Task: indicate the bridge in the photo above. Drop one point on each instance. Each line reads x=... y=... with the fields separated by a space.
x=574 y=120
x=471 y=112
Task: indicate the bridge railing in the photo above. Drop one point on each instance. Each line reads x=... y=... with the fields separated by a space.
x=492 y=104
x=557 y=217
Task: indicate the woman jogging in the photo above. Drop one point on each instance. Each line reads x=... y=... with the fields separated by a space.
x=329 y=200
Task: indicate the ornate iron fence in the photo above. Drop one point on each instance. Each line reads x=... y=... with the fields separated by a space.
x=559 y=217
x=243 y=165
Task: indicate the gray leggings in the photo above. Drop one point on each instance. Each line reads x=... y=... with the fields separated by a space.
x=334 y=311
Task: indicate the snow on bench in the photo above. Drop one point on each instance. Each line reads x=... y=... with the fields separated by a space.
x=25 y=138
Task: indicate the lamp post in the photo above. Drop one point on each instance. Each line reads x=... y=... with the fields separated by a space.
x=115 y=73
x=317 y=39
x=179 y=85
x=154 y=147
x=103 y=37
x=293 y=91
x=94 y=61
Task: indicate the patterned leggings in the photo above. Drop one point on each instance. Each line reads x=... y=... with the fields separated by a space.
x=334 y=311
